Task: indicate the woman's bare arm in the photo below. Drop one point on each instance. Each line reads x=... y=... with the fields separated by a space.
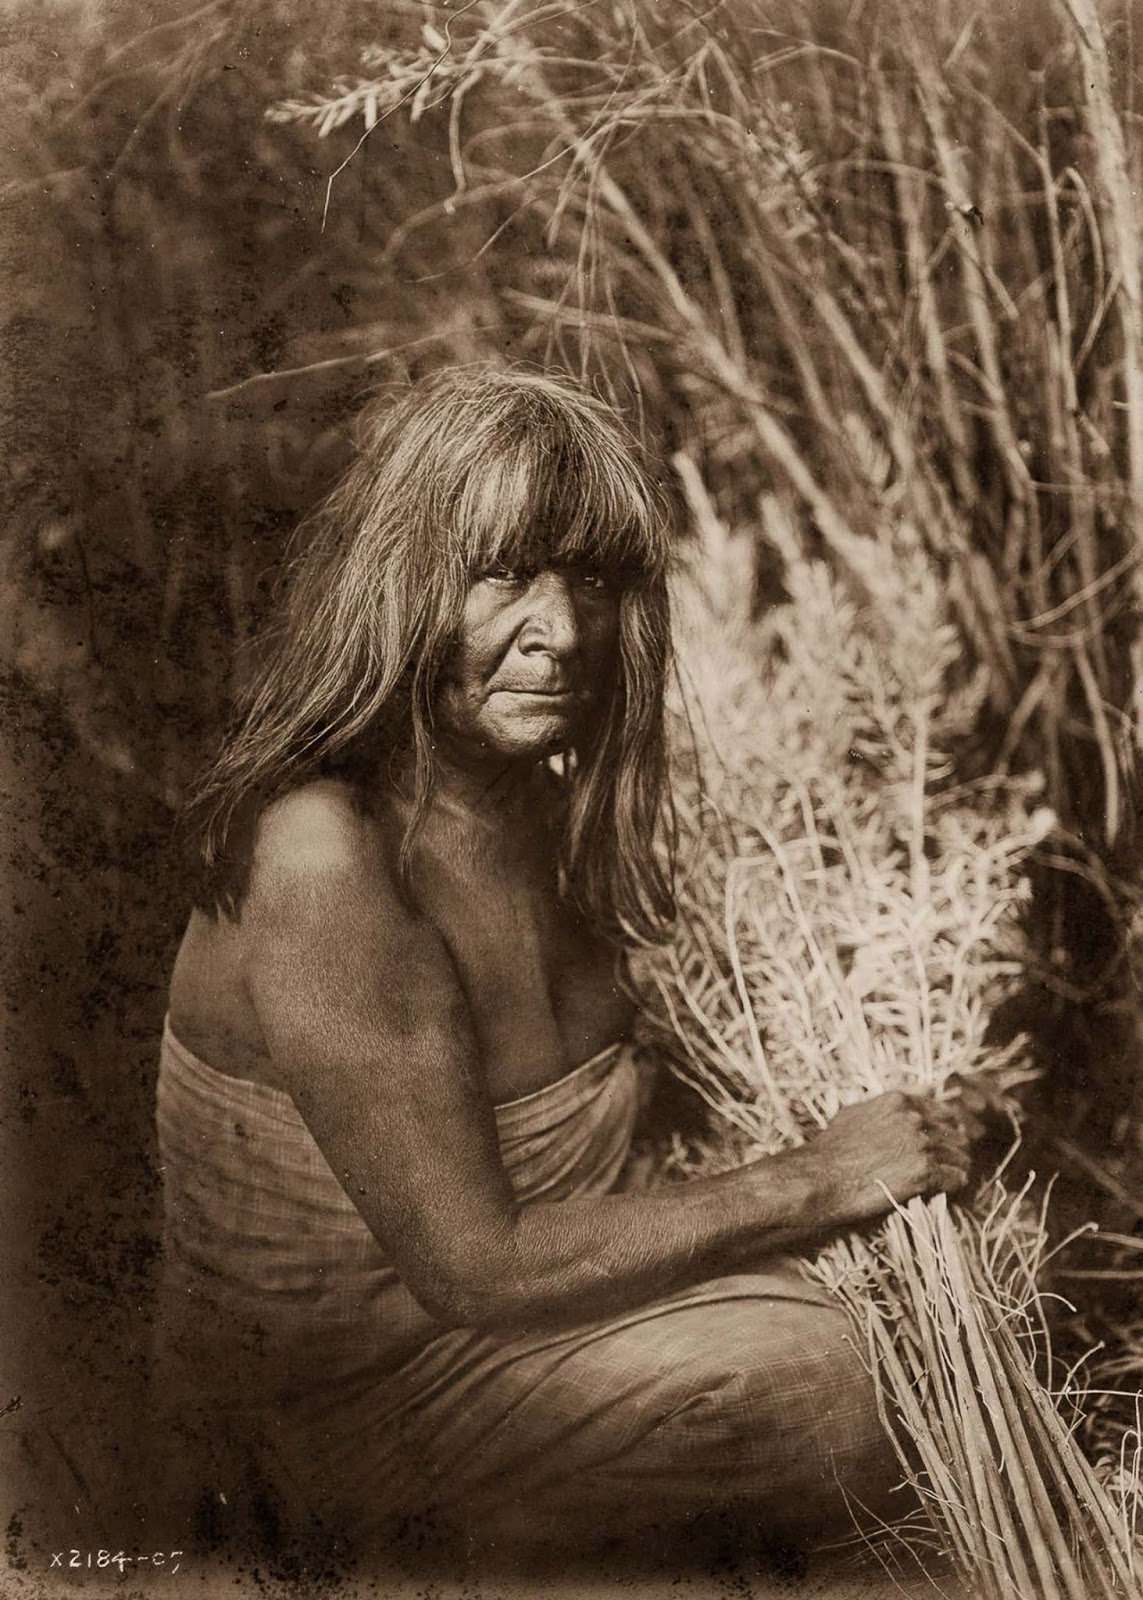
x=365 y=1019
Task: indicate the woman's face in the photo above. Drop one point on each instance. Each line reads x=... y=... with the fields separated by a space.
x=533 y=662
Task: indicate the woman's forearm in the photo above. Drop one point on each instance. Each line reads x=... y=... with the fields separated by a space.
x=600 y=1254
x=596 y=1255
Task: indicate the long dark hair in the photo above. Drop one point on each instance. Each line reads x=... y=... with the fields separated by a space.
x=468 y=469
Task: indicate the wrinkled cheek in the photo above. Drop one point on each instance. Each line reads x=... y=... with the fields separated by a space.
x=454 y=710
x=603 y=650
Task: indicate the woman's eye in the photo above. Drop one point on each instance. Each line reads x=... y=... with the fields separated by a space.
x=592 y=578
x=506 y=576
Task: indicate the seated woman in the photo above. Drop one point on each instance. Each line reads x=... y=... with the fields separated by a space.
x=397 y=1088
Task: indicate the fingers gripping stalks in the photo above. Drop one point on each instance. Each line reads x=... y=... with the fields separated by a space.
x=884 y=1151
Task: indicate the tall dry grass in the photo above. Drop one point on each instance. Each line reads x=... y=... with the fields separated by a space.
x=884 y=260
x=889 y=261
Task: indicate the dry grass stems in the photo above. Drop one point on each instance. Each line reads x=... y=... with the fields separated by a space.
x=851 y=919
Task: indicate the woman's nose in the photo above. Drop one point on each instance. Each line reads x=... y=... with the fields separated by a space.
x=551 y=622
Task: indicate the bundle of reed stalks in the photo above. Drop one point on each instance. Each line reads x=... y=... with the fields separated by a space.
x=850 y=922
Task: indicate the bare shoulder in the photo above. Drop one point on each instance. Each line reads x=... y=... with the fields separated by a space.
x=333 y=951
x=319 y=842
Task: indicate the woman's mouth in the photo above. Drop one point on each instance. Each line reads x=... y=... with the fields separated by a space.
x=536 y=693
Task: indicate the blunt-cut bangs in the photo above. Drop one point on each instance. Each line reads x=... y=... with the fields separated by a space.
x=562 y=488
x=469 y=471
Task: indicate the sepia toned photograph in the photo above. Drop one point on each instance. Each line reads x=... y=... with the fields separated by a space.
x=571 y=666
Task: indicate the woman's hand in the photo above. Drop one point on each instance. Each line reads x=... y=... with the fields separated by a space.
x=887 y=1150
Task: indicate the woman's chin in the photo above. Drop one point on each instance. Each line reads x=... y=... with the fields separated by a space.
x=533 y=736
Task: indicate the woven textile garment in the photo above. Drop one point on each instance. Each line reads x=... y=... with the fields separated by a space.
x=741 y=1391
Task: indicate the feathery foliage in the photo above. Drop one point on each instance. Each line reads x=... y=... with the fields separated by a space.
x=850 y=927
